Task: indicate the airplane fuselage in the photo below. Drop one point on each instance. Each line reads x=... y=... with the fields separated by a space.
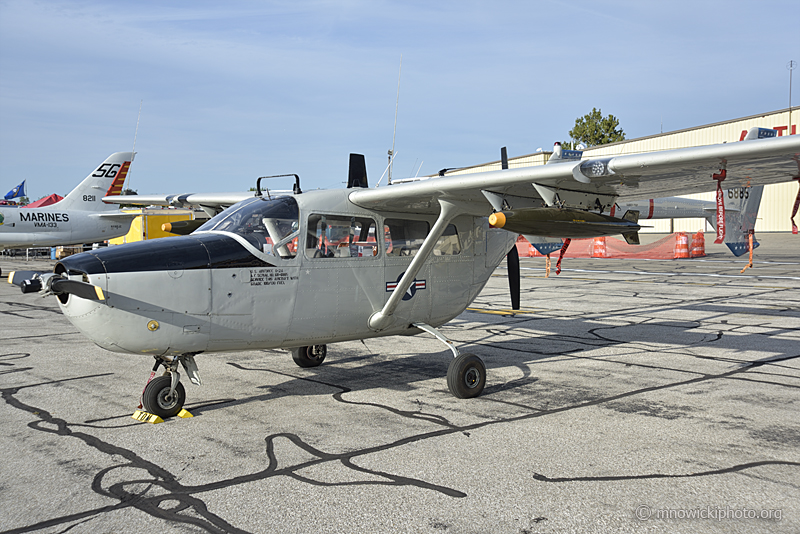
x=51 y=226
x=255 y=286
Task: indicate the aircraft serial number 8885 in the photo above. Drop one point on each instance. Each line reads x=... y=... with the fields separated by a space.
x=309 y=269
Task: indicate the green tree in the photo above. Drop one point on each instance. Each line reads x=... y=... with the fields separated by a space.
x=593 y=129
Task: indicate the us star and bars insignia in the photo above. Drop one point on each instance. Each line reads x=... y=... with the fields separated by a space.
x=412 y=289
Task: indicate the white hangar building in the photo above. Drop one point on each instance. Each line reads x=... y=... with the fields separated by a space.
x=776 y=203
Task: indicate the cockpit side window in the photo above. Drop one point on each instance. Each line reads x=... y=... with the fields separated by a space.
x=449 y=244
x=270 y=225
x=337 y=236
x=404 y=237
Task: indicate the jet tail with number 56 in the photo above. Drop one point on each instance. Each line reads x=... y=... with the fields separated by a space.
x=80 y=217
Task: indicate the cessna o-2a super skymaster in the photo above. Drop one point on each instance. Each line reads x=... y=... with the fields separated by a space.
x=307 y=269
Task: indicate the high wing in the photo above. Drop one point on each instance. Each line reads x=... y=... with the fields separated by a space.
x=601 y=181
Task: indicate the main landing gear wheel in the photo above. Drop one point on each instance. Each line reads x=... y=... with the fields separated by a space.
x=157 y=400
x=466 y=376
x=309 y=356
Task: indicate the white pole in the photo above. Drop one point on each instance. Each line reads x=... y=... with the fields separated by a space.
x=394 y=132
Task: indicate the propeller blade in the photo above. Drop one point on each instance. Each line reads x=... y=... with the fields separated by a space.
x=512 y=263
x=77 y=288
x=18 y=277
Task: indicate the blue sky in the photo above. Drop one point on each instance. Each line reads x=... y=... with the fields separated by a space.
x=230 y=91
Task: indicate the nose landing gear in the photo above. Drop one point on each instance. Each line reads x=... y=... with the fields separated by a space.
x=164 y=395
x=159 y=398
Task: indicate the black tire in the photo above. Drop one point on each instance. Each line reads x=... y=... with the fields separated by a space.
x=155 y=397
x=310 y=356
x=466 y=376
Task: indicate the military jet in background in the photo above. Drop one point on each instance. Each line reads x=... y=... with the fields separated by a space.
x=307 y=269
x=80 y=217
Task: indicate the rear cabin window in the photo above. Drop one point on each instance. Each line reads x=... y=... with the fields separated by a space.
x=405 y=237
x=336 y=236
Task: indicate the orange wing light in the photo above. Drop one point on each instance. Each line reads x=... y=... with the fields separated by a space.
x=498 y=220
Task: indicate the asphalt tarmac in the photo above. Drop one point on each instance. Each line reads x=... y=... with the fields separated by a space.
x=627 y=396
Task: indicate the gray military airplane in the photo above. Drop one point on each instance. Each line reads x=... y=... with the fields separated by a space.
x=80 y=217
x=304 y=270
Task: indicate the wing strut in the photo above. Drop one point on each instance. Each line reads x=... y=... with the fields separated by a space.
x=382 y=319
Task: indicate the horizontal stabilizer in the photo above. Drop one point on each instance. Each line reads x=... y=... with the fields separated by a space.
x=545 y=245
x=760 y=133
x=741 y=247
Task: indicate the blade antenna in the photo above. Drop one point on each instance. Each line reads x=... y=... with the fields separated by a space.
x=394 y=132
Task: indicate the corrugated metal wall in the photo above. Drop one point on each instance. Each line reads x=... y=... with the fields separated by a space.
x=776 y=203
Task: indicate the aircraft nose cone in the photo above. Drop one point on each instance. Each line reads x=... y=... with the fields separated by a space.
x=205 y=251
x=156 y=255
x=79 y=264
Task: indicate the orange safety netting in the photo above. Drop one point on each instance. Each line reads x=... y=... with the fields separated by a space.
x=673 y=246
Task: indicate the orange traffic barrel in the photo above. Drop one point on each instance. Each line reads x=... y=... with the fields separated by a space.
x=698 y=245
x=599 y=247
x=681 y=245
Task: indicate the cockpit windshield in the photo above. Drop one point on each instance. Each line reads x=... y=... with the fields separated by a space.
x=271 y=226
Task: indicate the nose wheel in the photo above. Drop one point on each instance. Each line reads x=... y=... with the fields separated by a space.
x=159 y=399
x=164 y=395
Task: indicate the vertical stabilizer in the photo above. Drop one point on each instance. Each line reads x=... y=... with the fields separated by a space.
x=106 y=180
x=741 y=220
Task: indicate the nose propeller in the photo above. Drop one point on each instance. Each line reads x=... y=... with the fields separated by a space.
x=54 y=284
x=512 y=258
x=512 y=263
